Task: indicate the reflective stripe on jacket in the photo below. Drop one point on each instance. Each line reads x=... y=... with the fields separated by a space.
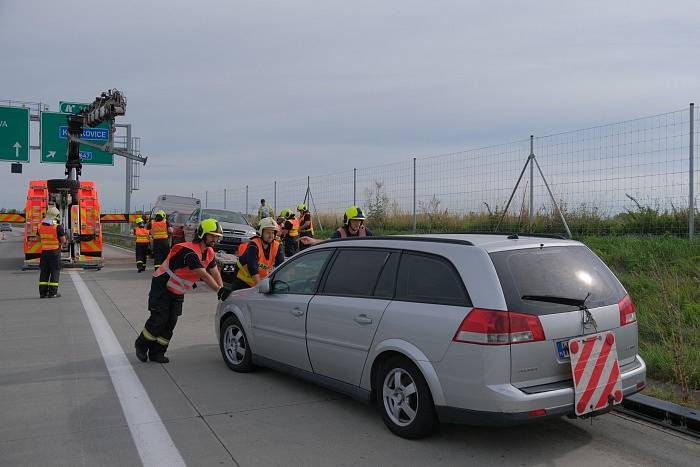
x=265 y=265
x=181 y=280
x=49 y=237
x=294 y=231
x=159 y=229
x=141 y=235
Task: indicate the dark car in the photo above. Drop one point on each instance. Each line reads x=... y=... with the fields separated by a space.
x=5 y=227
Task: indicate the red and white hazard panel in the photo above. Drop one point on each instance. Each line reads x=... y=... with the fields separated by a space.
x=596 y=372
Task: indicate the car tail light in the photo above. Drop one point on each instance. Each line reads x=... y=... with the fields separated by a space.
x=628 y=314
x=494 y=327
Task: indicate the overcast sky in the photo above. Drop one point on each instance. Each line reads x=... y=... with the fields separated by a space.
x=234 y=92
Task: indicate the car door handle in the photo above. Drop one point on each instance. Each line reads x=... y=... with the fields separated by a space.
x=296 y=311
x=363 y=319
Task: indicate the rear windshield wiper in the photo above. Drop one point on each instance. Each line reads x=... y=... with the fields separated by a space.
x=579 y=302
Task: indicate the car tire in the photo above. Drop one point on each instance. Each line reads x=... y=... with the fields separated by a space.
x=404 y=399
x=234 y=346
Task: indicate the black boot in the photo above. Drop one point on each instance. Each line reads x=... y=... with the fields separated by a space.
x=159 y=358
x=141 y=347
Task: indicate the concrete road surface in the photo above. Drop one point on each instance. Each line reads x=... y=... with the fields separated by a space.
x=72 y=393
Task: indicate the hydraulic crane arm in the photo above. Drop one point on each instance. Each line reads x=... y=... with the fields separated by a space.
x=105 y=108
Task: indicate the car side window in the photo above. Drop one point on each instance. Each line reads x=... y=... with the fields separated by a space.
x=355 y=272
x=194 y=216
x=301 y=274
x=430 y=278
x=386 y=285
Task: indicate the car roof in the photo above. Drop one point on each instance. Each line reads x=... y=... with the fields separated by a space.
x=490 y=242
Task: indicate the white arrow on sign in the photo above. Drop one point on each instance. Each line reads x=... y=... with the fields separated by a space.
x=17 y=146
x=51 y=154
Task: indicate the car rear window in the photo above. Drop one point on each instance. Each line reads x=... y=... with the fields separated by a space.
x=567 y=271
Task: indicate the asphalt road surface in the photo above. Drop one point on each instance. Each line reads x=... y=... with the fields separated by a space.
x=73 y=393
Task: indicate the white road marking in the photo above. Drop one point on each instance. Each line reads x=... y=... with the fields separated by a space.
x=151 y=438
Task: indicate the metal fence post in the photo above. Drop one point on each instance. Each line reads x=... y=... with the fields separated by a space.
x=354 y=187
x=274 y=199
x=206 y=199
x=414 y=195
x=532 y=184
x=691 y=175
x=224 y=198
x=246 y=200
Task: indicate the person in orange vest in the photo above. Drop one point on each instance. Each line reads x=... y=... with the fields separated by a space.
x=142 y=241
x=289 y=231
x=353 y=226
x=306 y=224
x=52 y=238
x=258 y=257
x=160 y=232
x=186 y=264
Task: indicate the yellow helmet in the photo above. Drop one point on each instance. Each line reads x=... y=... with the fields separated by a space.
x=302 y=207
x=138 y=220
x=287 y=213
x=353 y=212
x=209 y=226
x=267 y=223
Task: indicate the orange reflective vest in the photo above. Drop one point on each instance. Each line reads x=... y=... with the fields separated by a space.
x=159 y=230
x=265 y=265
x=141 y=235
x=360 y=233
x=294 y=232
x=49 y=237
x=181 y=280
x=310 y=230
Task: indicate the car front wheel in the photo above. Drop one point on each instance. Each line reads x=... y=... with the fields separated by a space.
x=234 y=346
x=404 y=399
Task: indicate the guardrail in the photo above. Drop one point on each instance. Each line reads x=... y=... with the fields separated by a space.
x=125 y=241
x=659 y=412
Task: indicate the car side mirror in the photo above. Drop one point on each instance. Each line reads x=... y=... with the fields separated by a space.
x=264 y=286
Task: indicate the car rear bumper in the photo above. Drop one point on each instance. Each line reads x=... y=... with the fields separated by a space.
x=556 y=399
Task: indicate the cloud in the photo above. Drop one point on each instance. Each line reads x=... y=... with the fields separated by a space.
x=226 y=94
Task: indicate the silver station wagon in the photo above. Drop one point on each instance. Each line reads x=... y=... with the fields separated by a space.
x=453 y=328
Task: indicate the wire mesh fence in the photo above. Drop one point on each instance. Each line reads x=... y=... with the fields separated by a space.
x=631 y=177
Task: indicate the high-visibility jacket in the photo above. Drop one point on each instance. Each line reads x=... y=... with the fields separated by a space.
x=49 y=237
x=294 y=231
x=265 y=265
x=141 y=235
x=310 y=230
x=159 y=229
x=181 y=280
x=362 y=232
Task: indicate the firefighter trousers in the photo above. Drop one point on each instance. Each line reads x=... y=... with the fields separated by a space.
x=165 y=308
x=291 y=246
x=161 y=248
x=141 y=250
x=49 y=272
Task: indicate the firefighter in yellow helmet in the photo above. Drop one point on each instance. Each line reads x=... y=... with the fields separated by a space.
x=258 y=257
x=289 y=232
x=160 y=235
x=186 y=264
x=353 y=226
x=306 y=223
x=52 y=237
x=142 y=235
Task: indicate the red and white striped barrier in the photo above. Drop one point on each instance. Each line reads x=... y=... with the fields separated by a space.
x=596 y=372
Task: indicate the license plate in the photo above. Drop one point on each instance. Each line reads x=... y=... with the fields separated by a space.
x=563 y=349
